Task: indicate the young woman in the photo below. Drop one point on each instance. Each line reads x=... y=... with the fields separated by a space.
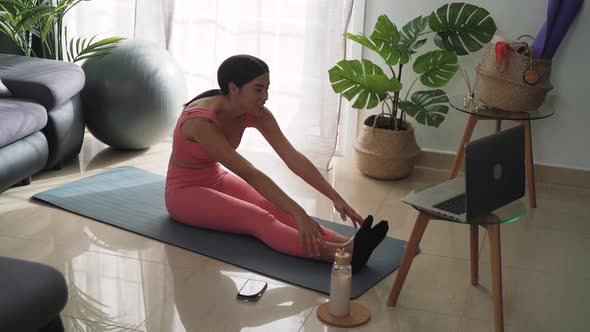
x=246 y=201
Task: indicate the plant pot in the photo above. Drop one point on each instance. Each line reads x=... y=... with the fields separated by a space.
x=384 y=153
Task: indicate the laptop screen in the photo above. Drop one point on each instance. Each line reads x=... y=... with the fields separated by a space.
x=494 y=171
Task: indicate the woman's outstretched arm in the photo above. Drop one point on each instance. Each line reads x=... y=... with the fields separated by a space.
x=300 y=165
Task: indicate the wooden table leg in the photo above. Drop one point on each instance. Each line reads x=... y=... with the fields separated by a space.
x=471 y=122
x=496 y=258
x=474 y=248
x=530 y=168
x=408 y=258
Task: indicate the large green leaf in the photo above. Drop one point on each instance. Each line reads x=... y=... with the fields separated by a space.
x=362 y=40
x=386 y=38
x=461 y=27
x=437 y=68
x=427 y=107
x=363 y=80
x=409 y=37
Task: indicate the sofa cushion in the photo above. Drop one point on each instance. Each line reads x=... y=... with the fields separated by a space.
x=49 y=82
x=19 y=118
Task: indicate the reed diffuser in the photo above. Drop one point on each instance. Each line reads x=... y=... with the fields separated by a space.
x=469 y=101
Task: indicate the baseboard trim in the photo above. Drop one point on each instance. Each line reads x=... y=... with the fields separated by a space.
x=543 y=173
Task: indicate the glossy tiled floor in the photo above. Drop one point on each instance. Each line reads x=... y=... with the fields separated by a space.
x=120 y=281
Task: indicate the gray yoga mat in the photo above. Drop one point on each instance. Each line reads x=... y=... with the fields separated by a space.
x=133 y=199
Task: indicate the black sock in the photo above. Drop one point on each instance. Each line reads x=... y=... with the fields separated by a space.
x=379 y=232
x=360 y=250
x=365 y=241
x=367 y=223
x=361 y=242
x=361 y=238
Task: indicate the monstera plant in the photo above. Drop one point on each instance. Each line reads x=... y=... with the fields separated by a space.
x=457 y=29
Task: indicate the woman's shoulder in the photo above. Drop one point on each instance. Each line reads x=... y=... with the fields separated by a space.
x=197 y=112
x=208 y=103
x=204 y=106
x=263 y=116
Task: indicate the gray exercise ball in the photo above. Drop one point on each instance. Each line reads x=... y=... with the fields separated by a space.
x=133 y=95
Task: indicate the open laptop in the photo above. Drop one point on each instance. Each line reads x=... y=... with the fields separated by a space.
x=494 y=176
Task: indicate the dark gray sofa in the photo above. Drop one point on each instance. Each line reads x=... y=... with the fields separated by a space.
x=33 y=295
x=41 y=124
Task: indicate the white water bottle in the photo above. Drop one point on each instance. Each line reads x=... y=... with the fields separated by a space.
x=340 y=284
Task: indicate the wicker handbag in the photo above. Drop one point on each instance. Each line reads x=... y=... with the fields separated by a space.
x=511 y=79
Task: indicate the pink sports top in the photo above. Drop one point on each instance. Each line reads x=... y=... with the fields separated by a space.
x=190 y=152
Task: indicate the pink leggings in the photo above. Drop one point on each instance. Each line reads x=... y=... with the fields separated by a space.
x=230 y=204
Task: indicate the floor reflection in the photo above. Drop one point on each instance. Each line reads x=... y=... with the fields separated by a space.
x=110 y=156
x=209 y=297
x=94 y=313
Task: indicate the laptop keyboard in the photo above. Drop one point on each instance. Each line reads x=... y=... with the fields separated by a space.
x=454 y=205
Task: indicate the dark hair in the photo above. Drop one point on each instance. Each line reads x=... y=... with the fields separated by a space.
x=238 y=69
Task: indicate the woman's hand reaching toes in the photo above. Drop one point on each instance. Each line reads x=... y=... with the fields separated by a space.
x=346 y=210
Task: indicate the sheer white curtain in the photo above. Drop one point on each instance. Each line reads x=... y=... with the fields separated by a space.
x=103 y=17
x=299 y=40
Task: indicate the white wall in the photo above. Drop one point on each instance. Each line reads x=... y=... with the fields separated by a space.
x=561 y=140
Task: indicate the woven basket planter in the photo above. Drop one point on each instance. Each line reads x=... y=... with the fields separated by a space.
x=384 y=153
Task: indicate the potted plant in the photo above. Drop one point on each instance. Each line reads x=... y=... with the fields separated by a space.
x=36 y=27
x=386 y=148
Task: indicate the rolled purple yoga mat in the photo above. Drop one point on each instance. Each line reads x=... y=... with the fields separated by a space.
x=560 y=15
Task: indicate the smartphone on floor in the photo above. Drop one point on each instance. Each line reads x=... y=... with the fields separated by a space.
x=252 y=290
